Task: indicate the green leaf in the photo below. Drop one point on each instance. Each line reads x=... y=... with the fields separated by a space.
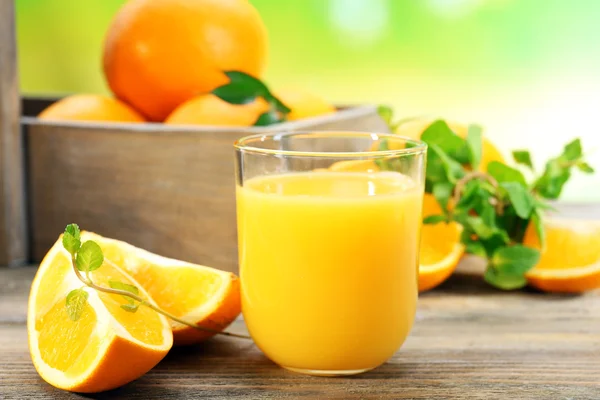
x=123 y=286
x=573 y=150
x=434 y=219
x=474 y=143
x=451 y=168
x=442 y=192
x=73 y=229
x=585 y=167
x=130 y=307
x=277 y=104
x=469 y=196
x=504 y=173
x=269 y=118
x=76 y=301
x=475 y=248
x=241 y=89
x=440 y=134
x=126 y=287
x=479 y=226
x=515 y=260
x=386 y=113
x=538 y=224
x=523 y=157
x=89 y=257
x=551 y=183
x=520 y=197
x=503 y=281
x=72 y=239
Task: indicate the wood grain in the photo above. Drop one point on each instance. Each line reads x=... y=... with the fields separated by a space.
x=170 y=191
x=469 y=342
x=13 y=244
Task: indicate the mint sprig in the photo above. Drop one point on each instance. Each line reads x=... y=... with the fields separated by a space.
x=494 y=207
x=88 y=257
x=243 y=88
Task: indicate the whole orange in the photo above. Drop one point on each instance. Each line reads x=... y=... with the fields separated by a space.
x=208 y=109
x=160 y=53
x=90 y=107
x=303 y=104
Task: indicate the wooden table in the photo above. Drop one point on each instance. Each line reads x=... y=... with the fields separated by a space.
x=469 y=342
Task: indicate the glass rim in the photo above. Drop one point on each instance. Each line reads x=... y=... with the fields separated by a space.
x=244 y=144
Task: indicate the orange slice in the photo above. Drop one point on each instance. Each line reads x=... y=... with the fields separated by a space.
x=570 y=262
x=107 y=346
x=205 y=296
x=441 y=249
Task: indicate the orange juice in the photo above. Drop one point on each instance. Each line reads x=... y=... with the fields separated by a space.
x=329 y=267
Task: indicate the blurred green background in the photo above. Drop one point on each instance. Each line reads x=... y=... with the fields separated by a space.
x=528 y=70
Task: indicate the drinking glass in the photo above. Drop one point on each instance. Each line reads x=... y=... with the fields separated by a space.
x=328 y=234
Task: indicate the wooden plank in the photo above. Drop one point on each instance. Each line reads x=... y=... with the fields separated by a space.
x=469 y=342
x=166 y=189
x=13 y=244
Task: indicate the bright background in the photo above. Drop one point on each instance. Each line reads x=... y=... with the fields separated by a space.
x=528 y=70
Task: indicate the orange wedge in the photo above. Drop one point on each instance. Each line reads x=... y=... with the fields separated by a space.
x=205 y=296
x=570 y=262
x=441 y=249
x=107 y=346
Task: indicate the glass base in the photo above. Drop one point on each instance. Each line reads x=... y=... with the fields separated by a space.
x=318 y=372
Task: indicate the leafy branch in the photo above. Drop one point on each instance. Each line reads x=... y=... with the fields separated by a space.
x=87 y=257
x=243 y=88
x=496 y=206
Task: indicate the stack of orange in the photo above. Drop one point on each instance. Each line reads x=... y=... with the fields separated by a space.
x=162 y=59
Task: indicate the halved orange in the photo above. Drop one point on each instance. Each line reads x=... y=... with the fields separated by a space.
x=202 y=295
x=441 y=249
x=107 y=346
x=570 y=261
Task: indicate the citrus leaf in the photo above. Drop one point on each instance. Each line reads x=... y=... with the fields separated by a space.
x=268 y=118
x=241 y=89
x=474 y=143
x=76 y=301
x=523 y=157
x=89 y=256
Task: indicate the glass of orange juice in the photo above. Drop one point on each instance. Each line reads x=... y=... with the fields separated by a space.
x=328 y=232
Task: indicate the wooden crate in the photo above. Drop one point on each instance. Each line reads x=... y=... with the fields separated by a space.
x=166 y=189
x=13 y=242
